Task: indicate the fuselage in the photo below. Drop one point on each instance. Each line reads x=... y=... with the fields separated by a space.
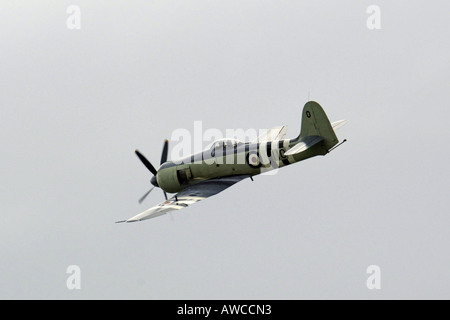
x=230 y=158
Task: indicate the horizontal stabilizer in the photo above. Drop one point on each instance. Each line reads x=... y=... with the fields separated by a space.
x=304 y=144
x=338 y=124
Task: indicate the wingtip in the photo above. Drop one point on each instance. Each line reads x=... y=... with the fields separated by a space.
x=127 y=221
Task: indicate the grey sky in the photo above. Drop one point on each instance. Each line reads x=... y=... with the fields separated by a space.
x=76 y=103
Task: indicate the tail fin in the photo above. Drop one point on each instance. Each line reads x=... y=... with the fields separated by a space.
x=315 y=123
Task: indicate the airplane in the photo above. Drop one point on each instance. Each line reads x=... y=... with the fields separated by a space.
x=228 y=161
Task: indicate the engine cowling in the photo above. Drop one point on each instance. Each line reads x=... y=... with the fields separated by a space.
x=167 y=178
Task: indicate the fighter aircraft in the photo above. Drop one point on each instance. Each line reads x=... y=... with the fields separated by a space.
x=229 y=161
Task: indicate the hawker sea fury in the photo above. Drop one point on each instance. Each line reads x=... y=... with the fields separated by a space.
x=229 y=161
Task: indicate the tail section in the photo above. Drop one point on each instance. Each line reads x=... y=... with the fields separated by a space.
x=315 y=123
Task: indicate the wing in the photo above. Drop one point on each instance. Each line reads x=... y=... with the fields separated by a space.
x=276 y=133
x=188 y=196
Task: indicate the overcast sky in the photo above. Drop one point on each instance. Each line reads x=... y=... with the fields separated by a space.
x=76 y=103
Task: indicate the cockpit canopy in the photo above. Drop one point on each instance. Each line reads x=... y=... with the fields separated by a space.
x=225 y=143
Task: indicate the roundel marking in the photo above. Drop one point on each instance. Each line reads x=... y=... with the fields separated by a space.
x=308 y=114
x=253 y=159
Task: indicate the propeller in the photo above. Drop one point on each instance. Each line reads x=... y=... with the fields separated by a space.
x=152 y=169
x=146 y=162
x=145 y=195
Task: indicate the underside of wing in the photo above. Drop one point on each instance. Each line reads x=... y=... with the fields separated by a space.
x=188 y=196
x=276 y=133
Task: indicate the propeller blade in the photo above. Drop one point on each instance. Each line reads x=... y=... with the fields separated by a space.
x=146 y=162
x=145 y=195
x=164 y=152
